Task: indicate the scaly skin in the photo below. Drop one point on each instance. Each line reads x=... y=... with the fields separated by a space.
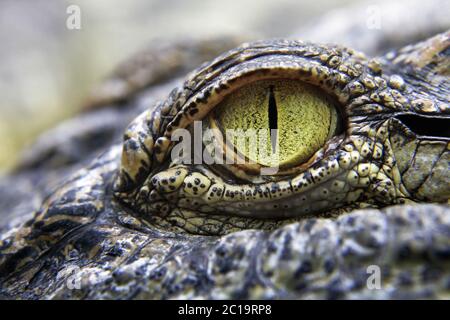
x=377 y=161
x=125 y=233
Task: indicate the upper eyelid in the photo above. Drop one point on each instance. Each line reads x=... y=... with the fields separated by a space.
x=249 y=52
x=305 y=59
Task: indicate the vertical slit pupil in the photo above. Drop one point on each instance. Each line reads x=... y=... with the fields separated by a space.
x=273 y=118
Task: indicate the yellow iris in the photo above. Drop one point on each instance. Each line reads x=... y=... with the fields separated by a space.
x=302 y=119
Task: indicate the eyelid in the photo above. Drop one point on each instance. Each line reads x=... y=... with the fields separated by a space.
x=199 y=103
x=148 y=139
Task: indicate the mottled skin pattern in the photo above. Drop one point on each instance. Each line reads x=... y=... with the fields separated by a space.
x=358 y=166
x=128 y=225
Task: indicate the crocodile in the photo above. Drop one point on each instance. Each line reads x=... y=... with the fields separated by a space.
x=361 y=213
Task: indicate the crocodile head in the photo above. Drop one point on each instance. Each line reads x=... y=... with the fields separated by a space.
x=356 y=136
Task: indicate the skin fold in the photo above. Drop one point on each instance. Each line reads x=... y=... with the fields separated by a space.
x=129 y=223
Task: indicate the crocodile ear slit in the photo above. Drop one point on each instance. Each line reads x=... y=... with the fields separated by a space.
x=426 y=126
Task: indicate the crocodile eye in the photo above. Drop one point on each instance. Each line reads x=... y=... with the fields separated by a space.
x=294 y=96
x=278 y=123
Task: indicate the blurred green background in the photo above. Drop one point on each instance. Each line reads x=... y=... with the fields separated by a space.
x=47 y=70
